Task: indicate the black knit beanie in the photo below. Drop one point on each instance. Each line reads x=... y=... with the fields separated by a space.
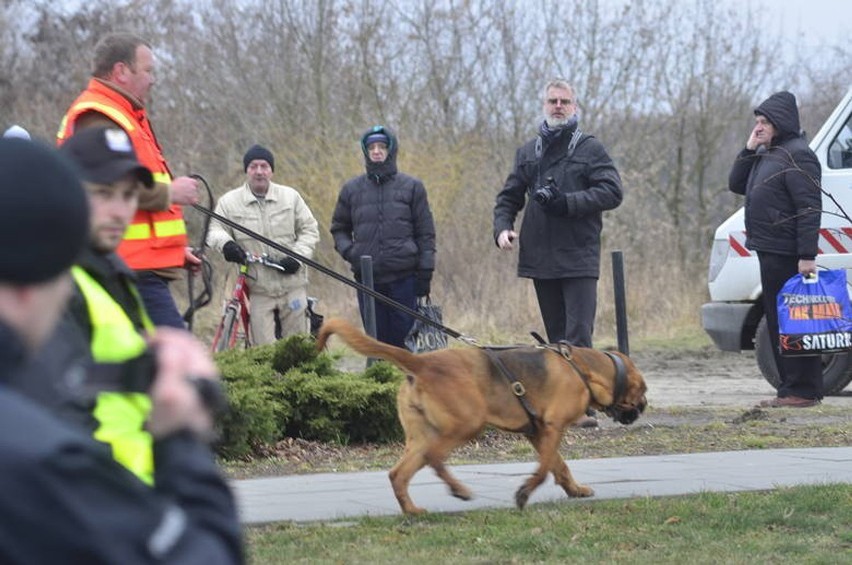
x=44 y=212
x=258 y=152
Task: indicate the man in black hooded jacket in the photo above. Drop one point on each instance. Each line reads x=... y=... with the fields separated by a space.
x=386 y=214
x=780 y=178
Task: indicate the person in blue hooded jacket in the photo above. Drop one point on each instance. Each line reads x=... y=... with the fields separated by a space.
x=780 y=178
x=385 y=214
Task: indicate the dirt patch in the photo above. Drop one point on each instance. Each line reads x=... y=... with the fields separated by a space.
x=709 y=377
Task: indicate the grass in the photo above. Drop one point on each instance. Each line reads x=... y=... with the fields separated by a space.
x=807 y=524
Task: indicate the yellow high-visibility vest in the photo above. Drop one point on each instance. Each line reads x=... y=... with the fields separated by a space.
x=120 y=415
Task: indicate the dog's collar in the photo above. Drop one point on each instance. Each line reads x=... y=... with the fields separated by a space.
x=619 y=389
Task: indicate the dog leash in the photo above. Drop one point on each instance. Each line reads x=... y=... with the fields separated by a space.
x=333 y=274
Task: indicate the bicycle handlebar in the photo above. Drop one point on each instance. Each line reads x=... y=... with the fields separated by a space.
x=263 y=260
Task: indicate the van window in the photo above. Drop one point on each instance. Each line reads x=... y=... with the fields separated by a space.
x=840 y=150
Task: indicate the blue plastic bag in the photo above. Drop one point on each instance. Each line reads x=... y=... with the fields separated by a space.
x=815 y=314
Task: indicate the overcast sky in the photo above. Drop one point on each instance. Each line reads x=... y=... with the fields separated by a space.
x=812 y=22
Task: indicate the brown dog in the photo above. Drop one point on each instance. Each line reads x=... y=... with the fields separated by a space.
x=449 y=396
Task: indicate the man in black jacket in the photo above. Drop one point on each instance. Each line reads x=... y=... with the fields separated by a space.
x=566 y=180
x=780 y=178
x=386 y=214
x=63 y=499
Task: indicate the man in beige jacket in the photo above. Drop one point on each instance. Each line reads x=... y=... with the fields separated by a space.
x=278 y=213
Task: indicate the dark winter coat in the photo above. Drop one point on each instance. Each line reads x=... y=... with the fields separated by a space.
x=567 y=245
x=384 y=214
x=781 y=185
x=63 y=499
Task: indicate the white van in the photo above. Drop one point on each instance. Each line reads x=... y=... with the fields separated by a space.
x=734 y=317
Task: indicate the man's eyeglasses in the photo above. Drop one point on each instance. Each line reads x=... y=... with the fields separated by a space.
x=563 y=101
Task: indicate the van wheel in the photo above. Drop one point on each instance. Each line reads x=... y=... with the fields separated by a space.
x=836 y=367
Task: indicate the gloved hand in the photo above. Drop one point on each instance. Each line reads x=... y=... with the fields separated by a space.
x=556 y=205
x=233 y=252
x=422 y=283
x=290 y=265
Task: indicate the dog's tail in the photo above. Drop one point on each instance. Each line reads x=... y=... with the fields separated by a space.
x=365 y=345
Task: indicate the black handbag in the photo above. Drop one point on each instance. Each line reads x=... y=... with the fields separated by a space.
x=424 y=336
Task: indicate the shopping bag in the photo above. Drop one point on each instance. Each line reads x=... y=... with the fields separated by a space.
x=815 y=314
x=423 y=336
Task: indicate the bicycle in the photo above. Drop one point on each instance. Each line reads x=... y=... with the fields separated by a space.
x=234 y=324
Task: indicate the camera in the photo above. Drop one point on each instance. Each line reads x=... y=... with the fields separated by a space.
x=137 y=375
x=545 y=193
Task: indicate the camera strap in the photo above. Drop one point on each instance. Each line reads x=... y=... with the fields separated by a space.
x=575 y=139
x=539 y=149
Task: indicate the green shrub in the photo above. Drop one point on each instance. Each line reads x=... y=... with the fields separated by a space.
x=289 y=389
x=384 y=372
x=300 y=351
x=256 y=409
x=342 y=408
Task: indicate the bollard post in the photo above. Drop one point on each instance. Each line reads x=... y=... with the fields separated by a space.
x=368 y=301
x=620 y=301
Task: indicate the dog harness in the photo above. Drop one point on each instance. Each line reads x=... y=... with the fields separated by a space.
x=564 y=349
x=517 y=388
x=618 y=389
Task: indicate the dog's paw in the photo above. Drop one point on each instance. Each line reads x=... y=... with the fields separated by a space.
x=462 y=492
x=521 y=497
x=581 y=491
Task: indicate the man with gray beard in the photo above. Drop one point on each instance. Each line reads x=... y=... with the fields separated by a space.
x=569 y=180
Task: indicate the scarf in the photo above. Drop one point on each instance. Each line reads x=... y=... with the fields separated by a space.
x=548 y=134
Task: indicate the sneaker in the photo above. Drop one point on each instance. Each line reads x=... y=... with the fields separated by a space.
x=789 y=402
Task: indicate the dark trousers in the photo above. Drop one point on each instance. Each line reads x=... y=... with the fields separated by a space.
x=568 y=308
x=800 y=376
x=158 y=300
x=392 y=325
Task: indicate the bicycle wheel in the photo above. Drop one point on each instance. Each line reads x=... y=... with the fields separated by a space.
x=229 y=323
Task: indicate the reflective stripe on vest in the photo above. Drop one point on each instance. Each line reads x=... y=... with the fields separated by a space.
x=121 y=415
x=167 y=228
x=112 y=113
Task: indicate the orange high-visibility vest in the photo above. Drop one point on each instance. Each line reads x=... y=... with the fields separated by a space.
x=154 y=240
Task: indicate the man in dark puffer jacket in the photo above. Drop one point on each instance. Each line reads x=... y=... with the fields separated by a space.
x=780 y=178
x=385 y=214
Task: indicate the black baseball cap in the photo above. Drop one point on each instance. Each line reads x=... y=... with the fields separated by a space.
x=104 y=155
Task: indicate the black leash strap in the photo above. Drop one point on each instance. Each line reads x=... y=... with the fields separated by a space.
x=206 y=269
x=517 y=388
x=326 y=271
